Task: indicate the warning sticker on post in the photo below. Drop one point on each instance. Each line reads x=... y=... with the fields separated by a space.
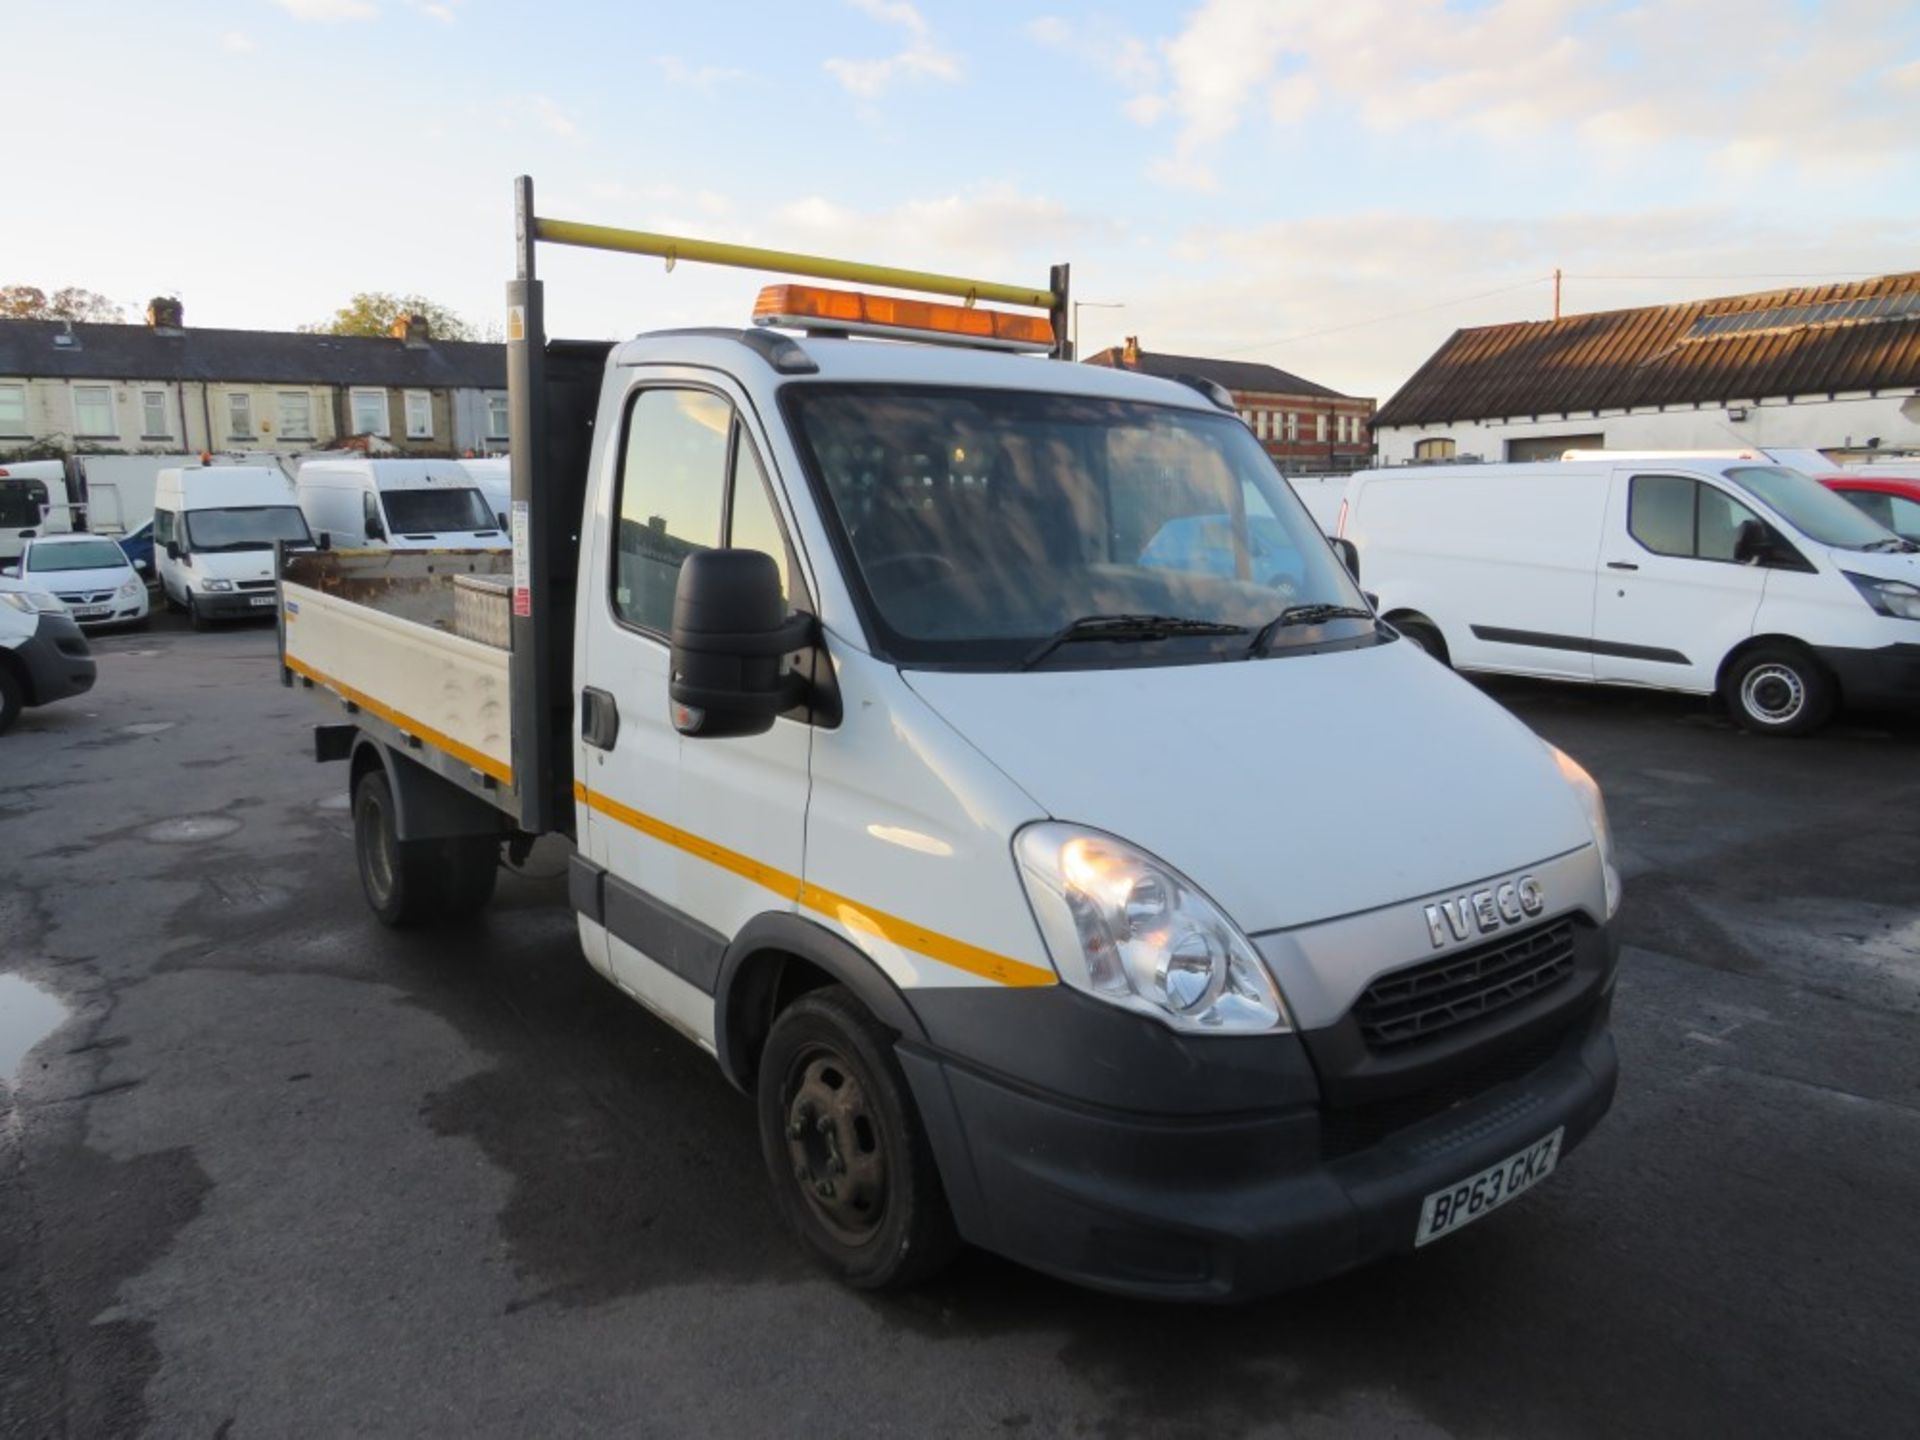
x=522 y=560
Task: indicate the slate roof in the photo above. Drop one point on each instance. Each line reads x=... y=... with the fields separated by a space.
x=1242 y=375
x=137 y=352
x=1812 y=340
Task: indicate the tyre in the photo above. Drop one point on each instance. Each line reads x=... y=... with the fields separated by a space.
x=194 y=617
x=13 y=699
x=1425 y=635
x=852 y=1170
x=409 y=882
x=1779 y=690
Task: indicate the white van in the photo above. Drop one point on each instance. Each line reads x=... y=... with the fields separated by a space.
x=214 y=528
x=1709 y=575
x=495 y=479
x=33 y=501
x=398 y=505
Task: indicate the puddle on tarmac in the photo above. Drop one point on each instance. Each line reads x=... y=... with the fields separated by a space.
x=148 y=727
x=189 y=829
x=28 y=1015
x=342 y=801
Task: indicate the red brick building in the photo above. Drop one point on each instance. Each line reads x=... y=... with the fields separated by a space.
x=1305 y=427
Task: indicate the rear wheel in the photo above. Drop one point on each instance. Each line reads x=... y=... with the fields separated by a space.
x=851 y=1167
x=408 y=882
x=13 y=699
x=1780 y=690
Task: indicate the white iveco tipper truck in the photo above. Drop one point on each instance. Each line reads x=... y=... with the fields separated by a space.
x=989 y=762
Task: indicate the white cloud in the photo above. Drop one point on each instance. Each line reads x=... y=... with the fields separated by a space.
x=1786 y=85
x=921 y=58
x=329 y=9
x=237 y=42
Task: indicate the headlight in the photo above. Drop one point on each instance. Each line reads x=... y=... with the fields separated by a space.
x=131 y=589
x=1129 y=930
x=1596 y=808
x=1889 y=597
x=216 y=587
x=34 y=602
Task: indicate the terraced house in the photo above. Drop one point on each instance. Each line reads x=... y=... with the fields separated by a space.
x=163 y=388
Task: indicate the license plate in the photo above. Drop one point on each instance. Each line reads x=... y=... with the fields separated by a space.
x=1445 y=1211
x=263 y=600
x=91 y=612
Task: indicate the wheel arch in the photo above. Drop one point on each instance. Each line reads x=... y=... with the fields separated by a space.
x=776 y=957
x=1755 y=642
x=425 y=807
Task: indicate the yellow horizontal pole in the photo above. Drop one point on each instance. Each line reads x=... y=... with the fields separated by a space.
x=752 y=257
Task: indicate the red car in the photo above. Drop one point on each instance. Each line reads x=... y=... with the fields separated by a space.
x=1893 y=500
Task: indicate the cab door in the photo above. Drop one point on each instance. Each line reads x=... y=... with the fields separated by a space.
x=1671 y=600
x=696 y=835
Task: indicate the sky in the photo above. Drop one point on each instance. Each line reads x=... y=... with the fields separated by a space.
x=1329 y=187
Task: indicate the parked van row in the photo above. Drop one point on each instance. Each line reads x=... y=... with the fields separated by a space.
x=1710 y=575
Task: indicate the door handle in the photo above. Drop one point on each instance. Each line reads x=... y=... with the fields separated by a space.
x=1621 y=565
x=599 y=718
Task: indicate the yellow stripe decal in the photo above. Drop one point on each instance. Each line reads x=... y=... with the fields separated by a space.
x=465 y=754
x=854 y=916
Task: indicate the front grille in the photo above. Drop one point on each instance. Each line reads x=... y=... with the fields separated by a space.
x=1344 y=1132
x=78 y=598
x=1424 y=1000
x=256 y=584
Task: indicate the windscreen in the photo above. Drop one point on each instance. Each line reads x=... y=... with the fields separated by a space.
x=251 y=527
x=20 y=502
x=983 y=521
x=1811 y=508
x=421 y=512
x=76 y=555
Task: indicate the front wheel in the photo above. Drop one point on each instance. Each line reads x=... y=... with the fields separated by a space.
x=1780 y=690
x=194 y=616
x=852 y=1170
x=13 y=699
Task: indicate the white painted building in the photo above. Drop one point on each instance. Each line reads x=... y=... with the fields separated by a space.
x=1832 y=367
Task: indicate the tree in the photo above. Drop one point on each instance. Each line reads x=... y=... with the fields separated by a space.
x=30 y=302
x=373 y=312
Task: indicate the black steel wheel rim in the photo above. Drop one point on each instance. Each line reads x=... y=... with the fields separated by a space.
x=835 y=1144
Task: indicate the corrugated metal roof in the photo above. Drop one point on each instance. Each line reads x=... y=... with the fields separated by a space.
x=1665 y=355
x=136 y=352
x=1242 y=375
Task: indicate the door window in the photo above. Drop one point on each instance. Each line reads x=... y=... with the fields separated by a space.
x=1672 y=515
x=1906 y=517
x=671 y=498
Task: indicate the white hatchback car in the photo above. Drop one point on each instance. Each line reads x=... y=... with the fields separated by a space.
x=90 y=573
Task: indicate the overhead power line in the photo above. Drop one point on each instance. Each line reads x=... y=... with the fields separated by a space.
x=1391 y=315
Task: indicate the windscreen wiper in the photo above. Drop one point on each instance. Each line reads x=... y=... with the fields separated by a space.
x=1897 y=543
x=1314 y=614
x=1125 y=627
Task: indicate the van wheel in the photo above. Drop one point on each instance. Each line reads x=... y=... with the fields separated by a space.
x=194 y=617
x=1779 y=690
x=1426 y=635
x=12 y=699
x=851 y=1168
x=409 y=882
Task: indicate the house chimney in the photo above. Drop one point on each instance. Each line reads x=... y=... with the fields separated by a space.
x=166 y=315
x=413 y=330
x=1130 y=356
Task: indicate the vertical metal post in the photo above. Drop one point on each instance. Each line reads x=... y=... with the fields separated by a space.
x=1556 y=292
x=1062 y=312
x=532 y=614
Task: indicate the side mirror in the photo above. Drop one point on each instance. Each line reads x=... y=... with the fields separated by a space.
x=501 y=517
x=10 y=572
x=730 y=630
x=324 y=540
x=173 y=549
x=142 y=566
x=1349 y=554
x=29 y=534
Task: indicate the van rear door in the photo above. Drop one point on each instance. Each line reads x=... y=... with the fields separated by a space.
x=1671 y=599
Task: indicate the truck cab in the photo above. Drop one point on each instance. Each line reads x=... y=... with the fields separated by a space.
x=991 y=764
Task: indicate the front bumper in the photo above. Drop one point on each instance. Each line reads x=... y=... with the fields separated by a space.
x=58 y=660
x=237 y=605
x=1268 y=1187
x=1887 y=678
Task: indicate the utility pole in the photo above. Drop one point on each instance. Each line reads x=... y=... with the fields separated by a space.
x=1556 y=292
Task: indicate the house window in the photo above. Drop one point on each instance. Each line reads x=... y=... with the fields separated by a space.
x=419 y=415
x=496 y=417
x=239 y=416
x=13 y=410
x=1434 y=449
x=370 y=412
x=1320 y=427
x=296 y=415
x=1293 y=425
x=93 y=411
x=1260 y=423
x=153 y=415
